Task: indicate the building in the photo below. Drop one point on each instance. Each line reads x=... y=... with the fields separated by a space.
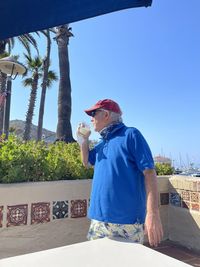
x=162 y=159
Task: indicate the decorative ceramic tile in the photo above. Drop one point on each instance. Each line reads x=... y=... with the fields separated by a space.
x=175 y=199
x=78 y=208
x=194 y=196
x=17 y=215
x=40 y=212
x=186 y=204
x=195 y=206
x=186 y=195
x=1 y=216
x=60 y=209
x=164 y=198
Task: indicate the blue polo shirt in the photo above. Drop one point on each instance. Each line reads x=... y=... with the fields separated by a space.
x=118 y=189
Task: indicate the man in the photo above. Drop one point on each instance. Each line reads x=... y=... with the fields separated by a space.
x=124 y=194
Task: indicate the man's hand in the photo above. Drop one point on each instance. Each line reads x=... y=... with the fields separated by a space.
x=83 y=140
x=153 y=228
x=83 y=130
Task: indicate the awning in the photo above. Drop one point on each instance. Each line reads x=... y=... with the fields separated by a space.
x=23 y=16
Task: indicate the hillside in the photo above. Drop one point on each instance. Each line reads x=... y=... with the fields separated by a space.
x=18 y=127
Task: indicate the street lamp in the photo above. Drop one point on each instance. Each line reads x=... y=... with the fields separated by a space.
x=12 y=68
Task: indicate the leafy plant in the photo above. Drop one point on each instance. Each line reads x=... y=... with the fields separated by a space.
x=37 y=161
x=164 y=169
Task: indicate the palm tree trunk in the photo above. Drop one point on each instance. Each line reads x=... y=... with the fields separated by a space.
x=3 y=77
x=46 y=64
x=64 y=130
x=29 y=114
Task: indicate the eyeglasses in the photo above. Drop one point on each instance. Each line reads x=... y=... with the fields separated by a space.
x=93 y=113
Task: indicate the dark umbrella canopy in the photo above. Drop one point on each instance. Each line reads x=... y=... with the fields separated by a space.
x=23 y=16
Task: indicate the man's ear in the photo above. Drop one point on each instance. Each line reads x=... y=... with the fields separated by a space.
x=107 y=115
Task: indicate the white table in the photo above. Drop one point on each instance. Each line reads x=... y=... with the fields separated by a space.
x=99 y=253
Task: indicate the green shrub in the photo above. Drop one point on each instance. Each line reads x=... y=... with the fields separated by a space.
x=164 y=169
x=36 y=161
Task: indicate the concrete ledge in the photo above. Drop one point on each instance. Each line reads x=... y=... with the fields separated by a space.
x=184 y=211
x=113 y=253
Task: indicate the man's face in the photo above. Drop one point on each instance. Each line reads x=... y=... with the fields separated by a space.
x=100 y=119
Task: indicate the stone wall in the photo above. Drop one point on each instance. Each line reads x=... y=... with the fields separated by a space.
x=41 y=202
x=44 y=215
x=184 y=211
x=180 y=209
x=36 y=216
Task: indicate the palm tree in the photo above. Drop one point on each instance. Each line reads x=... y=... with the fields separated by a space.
x=50 y=79
x=64 y=129
x=46 y=64
x=34 y=66
x=26 y=40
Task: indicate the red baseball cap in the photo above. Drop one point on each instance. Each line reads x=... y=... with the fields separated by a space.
x=107 y=104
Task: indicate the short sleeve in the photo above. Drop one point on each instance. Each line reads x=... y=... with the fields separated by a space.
x=92 y=156
x=140 y=150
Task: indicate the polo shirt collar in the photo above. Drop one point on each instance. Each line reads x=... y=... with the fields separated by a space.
x=108 y=131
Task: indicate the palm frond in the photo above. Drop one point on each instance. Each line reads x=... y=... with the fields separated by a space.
x=40 y=75
x=28 y=57
x=34 y=65
x=32 y=41
x=5 y=54
x=37 y=33
x=52 y=30
x=12 y=42
x=24 y=41
x=27 y=82
x=16 y=57
x=45 y=32
x=9 y=47
x=37 y=62
x=52 y=77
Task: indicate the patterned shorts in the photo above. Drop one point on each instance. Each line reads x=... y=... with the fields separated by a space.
x=132 y=232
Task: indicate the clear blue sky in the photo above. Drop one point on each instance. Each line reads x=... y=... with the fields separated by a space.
x=146 y=59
